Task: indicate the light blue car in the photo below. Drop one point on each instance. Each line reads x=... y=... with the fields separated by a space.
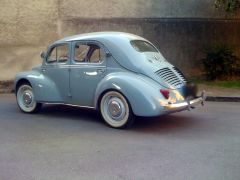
x=119 y=74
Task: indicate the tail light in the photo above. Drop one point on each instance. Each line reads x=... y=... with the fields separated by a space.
x=165 y=93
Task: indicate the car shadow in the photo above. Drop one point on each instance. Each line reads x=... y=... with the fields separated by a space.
x=166 y=123
x=70 y=112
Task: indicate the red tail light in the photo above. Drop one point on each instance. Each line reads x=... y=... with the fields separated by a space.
x=165 y=93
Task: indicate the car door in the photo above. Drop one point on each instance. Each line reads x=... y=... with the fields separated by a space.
x=56 y=69
x=88 y=67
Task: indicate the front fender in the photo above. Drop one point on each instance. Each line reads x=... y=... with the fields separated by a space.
x=44 y=89
x=142 y=92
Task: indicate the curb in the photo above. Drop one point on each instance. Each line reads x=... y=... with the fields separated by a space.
x=222 y=99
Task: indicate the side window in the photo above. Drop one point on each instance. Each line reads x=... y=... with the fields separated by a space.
x=96 y=56
x=59 y=54
x=81 y=51
x=90 y=53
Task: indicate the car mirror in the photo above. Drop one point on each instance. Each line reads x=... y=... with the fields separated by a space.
x=43 y=55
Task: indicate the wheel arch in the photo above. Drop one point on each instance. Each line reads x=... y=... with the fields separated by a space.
x=97 y=105
x=21 y=81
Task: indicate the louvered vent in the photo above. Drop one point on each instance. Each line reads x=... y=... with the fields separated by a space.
x=183 y=78
x=170 y=77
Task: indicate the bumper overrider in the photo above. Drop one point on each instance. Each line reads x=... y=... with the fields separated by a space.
x=187 y=104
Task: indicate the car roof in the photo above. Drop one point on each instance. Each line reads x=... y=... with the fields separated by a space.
x=117 y=43
x=98 y=36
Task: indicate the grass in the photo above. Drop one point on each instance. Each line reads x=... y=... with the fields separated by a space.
x=224 y=84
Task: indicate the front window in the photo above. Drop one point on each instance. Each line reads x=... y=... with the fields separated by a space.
x=90 y=53
x=59 y=54
x=143 y=46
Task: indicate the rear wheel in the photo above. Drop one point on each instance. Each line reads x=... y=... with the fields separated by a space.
x=26 y=100
x=115 y=110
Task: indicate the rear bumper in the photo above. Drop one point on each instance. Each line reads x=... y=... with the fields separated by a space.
x=186 y=105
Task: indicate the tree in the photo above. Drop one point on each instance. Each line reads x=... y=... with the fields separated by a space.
x=230 y=6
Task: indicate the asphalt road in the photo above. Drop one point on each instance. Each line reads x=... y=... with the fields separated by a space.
x=70 y=143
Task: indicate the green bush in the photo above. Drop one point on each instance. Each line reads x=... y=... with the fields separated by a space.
x=220 y=62
x=230 y=6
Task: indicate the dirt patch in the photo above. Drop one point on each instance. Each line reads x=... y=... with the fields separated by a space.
x=6 y=87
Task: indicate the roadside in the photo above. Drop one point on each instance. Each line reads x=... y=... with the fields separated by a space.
x=217 y=93
x=213 y=92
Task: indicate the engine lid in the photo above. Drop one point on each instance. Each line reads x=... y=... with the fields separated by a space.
x=158 y=68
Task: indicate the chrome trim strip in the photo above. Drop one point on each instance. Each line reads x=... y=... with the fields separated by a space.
x=88 y=63
x=74 y=105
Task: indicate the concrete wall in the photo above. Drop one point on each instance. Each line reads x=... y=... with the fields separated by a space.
x=26 y=27
x=138 y=9
x=181 y=41
x=179 y=27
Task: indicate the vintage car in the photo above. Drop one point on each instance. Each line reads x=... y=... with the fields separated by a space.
x=119 y=74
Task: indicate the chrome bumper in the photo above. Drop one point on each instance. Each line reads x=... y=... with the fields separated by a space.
x=187 y=104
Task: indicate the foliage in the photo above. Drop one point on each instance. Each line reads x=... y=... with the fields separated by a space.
x=220 y=62
x=229 y=6
x=225 y=84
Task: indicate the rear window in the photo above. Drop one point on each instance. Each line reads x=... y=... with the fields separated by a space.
x=143 y=46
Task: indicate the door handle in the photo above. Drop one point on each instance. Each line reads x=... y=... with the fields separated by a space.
x=44 y=69
x=100 y=70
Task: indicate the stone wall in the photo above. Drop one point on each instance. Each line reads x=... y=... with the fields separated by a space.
x=179 y=28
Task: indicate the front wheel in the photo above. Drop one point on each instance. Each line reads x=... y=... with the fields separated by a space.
x=115 y=110
x=26 y=100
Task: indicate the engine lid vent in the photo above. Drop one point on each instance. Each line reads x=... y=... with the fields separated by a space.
x=173 y=77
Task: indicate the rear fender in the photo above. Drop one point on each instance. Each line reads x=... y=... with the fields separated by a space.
x=141 y=92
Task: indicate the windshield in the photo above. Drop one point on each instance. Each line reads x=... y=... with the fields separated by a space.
x=143 y=46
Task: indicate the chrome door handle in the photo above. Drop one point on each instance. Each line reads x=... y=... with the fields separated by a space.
x=100 y=70
x=43 y=69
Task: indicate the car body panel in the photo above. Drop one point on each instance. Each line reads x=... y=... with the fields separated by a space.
x=59 y=76
x=83 y=83
x=40 y=84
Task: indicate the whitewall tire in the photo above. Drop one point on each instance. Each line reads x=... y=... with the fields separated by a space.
x=115 y=110
x=26 y=100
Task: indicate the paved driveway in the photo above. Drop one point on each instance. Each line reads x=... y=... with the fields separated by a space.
x=72 y=143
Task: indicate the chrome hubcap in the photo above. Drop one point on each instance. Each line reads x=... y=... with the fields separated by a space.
x=115 y=108
x=27 y=98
